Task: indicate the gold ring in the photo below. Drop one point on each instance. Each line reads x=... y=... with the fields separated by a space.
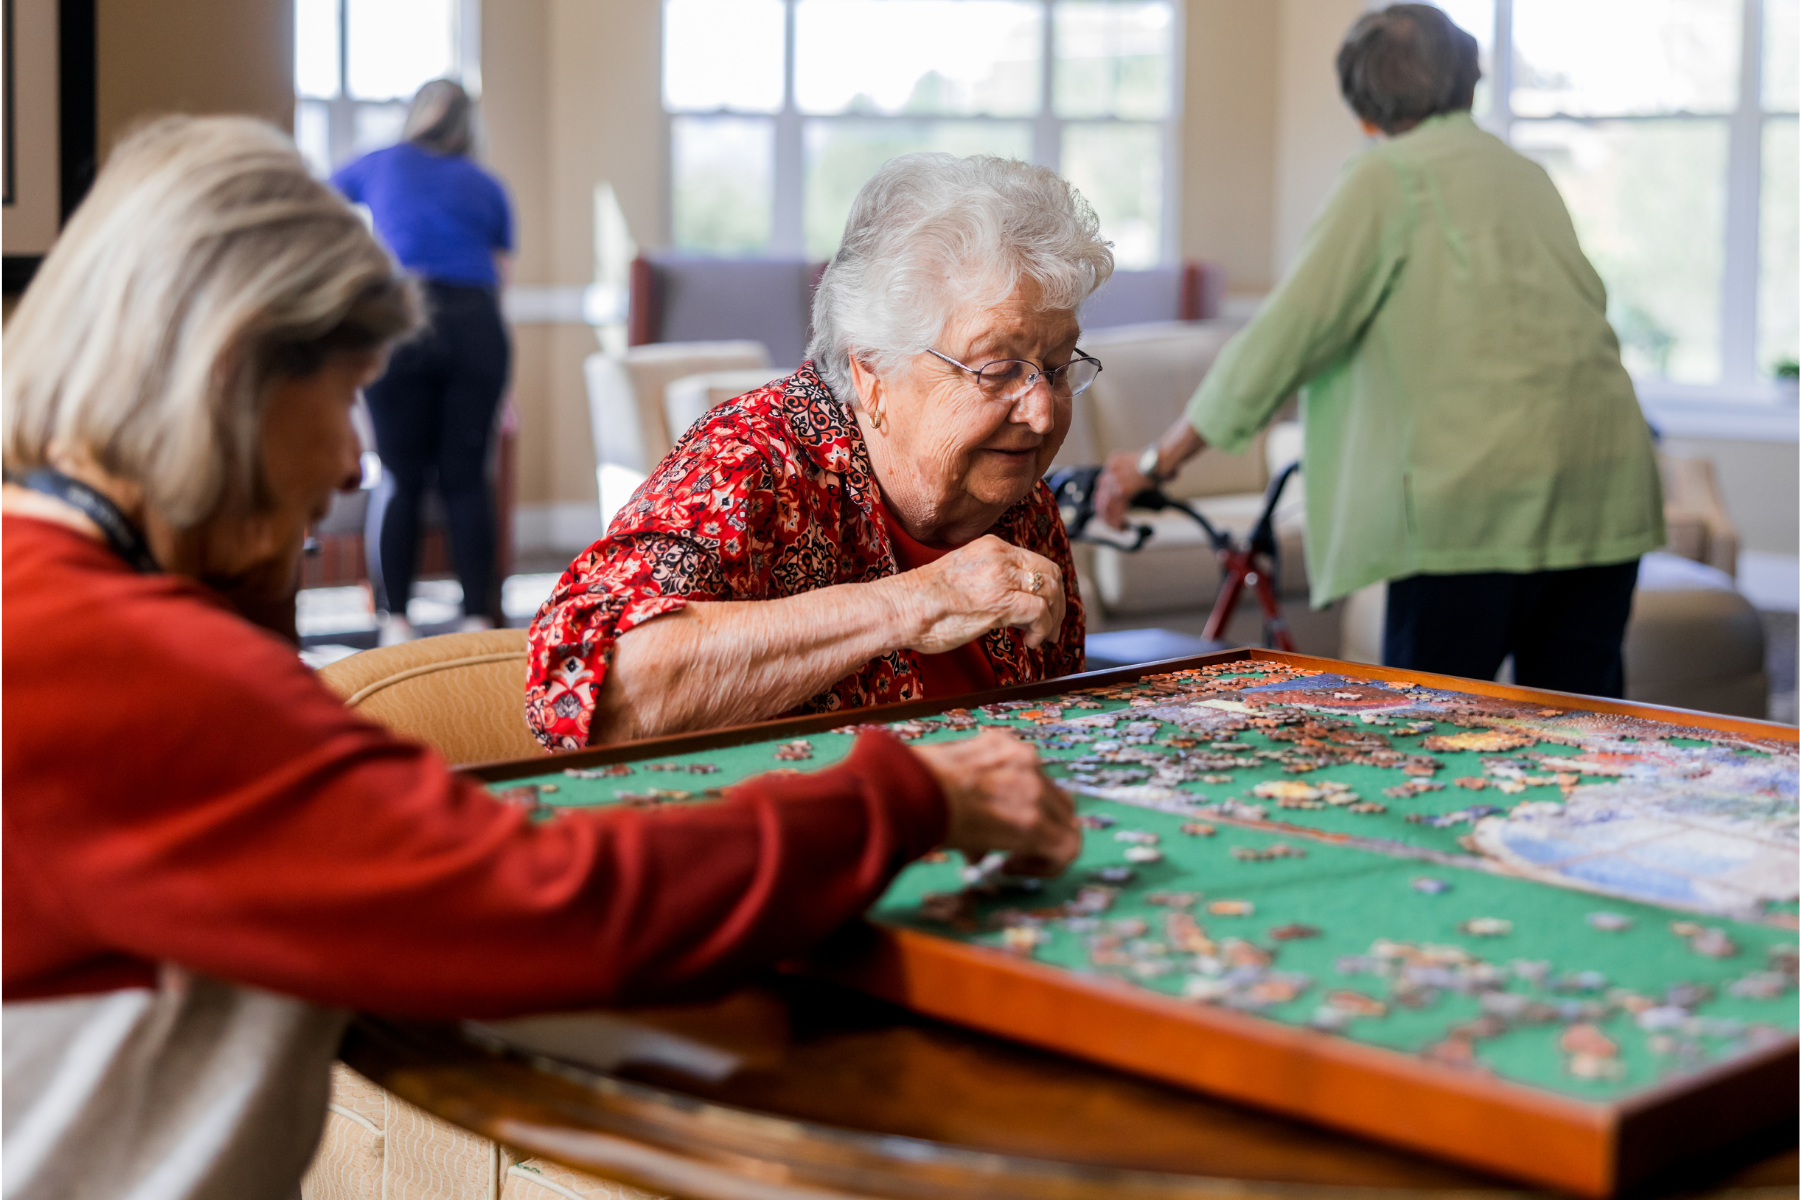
x=1036 y=583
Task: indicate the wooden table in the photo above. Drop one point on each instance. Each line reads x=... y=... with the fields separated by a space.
x=837 y=1094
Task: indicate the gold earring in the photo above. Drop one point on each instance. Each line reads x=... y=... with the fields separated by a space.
x=875 y=418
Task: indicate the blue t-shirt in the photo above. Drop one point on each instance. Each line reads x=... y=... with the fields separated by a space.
x=441 y=215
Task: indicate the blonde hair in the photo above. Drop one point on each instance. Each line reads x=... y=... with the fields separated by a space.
x=441 y=118
x=931 y=234
x=205 y=264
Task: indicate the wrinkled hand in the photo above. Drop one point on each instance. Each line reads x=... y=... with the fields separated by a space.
x=983 y=586
x=1000 y=799
x=1118 y=483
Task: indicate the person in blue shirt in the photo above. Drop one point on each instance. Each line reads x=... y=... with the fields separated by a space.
x=449 y=223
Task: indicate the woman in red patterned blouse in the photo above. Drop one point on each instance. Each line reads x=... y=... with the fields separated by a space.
x=881 y=510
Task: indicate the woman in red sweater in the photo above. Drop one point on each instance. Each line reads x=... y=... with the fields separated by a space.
x=207 y=858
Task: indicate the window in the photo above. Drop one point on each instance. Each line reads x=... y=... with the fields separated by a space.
x=357 y=63
x=1669 y=126
x=780 y=110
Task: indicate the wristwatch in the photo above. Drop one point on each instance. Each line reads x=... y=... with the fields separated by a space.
x=1148 y=462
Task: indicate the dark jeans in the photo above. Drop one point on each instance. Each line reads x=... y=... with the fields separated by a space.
x=1564 y=629
x=433 y=413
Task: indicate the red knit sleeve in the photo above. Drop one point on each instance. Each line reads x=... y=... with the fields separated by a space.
x=365 y=875
x=181 y=788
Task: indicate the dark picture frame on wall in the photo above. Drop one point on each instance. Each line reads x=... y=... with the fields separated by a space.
x=76 y=108
x=8 y=86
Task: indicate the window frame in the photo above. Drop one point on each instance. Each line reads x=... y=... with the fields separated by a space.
x=341 y=108
x=787 y=233
x=1741 y=377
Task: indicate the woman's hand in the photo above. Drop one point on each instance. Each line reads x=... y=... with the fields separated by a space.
x=985 y=585
x=1000 y=799
x=1121 y=479
x=1118 y=483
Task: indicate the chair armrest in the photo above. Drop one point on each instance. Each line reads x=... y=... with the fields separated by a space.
x=1691 y=497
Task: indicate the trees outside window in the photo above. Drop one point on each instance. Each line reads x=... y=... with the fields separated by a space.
x=1669 y=126
x=780 y=110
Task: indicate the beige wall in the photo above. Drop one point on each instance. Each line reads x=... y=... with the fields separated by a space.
x=571 y=91
x=195 y=56
x=1315 y=132
x=1761 y=485
x=573 y=97
x=1229 y=104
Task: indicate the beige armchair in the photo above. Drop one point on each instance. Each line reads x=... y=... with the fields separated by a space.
x=628 y=406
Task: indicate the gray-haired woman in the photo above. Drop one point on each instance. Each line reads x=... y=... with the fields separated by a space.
x=1471 y=434
x=449 y=224
x=880 y=510
x=208 y=858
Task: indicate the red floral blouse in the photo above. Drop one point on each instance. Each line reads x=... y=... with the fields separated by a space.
x=770 y=495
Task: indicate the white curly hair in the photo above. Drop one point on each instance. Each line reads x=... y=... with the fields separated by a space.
x=932 y=234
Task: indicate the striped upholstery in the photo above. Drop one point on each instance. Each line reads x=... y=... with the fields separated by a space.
x=378 y=1147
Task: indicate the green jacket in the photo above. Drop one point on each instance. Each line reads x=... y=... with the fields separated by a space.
x=1464 y=403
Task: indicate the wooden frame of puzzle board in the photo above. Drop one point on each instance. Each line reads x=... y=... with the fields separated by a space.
x=1592 y=1149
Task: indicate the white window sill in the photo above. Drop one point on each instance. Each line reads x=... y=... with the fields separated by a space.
x=1759 y=412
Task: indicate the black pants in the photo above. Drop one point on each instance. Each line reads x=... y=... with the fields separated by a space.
x=1564 y=629
x=434 y=414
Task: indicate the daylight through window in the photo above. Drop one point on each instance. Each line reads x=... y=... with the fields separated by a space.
x=780 y=110
x=1669 y=126
x=358 y=62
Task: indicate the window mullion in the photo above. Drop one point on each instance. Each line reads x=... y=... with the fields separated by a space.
x=1743 y=194
x=1171 y=137
x=789 y=235
x=1502 y=114
x=340 y=111
x=1046 y=130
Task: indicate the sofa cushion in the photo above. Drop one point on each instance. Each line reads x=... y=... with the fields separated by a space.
x=1149 y=374
x=766 y=300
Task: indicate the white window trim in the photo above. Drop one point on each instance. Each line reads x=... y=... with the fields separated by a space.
x=787 y=235
x=1744 y=400
x=341 y=108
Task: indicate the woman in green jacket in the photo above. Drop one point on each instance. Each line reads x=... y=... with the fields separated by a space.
x=1471 y=435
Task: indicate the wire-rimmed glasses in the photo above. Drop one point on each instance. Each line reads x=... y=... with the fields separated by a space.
x=1008 y=379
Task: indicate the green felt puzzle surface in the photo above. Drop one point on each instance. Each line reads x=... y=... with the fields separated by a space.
x=1298 y=846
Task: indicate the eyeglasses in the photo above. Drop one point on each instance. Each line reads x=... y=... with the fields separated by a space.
x=1010 y=378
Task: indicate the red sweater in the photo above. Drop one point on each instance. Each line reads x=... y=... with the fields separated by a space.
x=179 y=787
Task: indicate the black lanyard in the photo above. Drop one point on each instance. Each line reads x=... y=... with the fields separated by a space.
x=125 y=538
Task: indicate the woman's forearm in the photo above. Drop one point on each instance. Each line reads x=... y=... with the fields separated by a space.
x=714 y=664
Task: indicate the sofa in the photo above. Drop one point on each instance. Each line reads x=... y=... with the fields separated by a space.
x=681 y=297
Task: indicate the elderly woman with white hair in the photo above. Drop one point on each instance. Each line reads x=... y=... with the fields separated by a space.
x=208 y=858
x=876 y=520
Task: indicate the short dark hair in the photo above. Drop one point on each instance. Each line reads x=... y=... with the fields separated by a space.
x=1404 y=63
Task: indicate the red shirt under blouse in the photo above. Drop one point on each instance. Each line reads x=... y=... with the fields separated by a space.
x=180 y=788
x=955 y=672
